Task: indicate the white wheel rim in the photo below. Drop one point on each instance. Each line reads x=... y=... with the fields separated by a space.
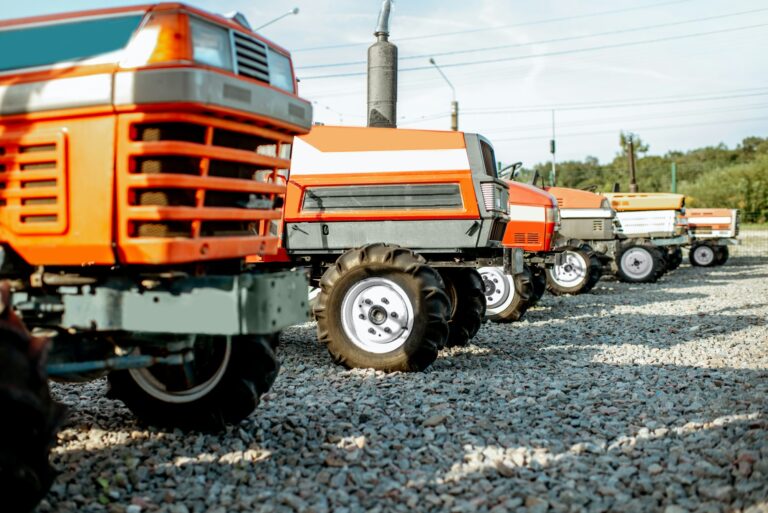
x=572 y=272
x=499 y=289
x=377 y=315
x=637 y=263
x=157 y=389
x=704 y=255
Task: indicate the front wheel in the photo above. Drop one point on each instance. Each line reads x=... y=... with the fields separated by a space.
x=382 y=307
x=578 y=273
x=703 y=255
x=222 y=385
x=639 y=263
x=508 y=297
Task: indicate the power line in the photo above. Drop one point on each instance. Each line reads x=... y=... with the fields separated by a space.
x=636 y=129
x=618 y=104
x=546 y=41
x=467 y=76
x=499 y=27
x=551 y=54
x=628 y=119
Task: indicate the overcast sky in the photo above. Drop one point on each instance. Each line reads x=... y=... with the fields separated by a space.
x=694 y=72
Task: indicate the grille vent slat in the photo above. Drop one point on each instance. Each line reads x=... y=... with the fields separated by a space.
x=33 y=180
x=251 y=56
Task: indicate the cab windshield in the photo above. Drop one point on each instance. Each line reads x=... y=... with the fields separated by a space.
x=70 y=41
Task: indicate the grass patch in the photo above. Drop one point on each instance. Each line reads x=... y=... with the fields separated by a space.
x=753 y=226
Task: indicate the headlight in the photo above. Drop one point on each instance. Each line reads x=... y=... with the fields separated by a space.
x=210 y=44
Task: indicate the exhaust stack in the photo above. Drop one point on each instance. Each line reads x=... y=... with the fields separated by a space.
x=382 y=75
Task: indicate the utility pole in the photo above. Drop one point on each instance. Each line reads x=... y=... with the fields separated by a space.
x=553 y=174
x=631 y=156
x=454 y=103
x=674 y=176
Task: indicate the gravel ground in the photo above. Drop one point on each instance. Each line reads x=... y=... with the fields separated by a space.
x=630 y=398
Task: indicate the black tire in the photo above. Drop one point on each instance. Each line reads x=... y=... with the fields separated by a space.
x=702 y=255
x=416 y=285
x=30 y=418
x=465 y=291
x=674 y=258
x=538 y=284
x=579 y=274
x=231 y=382
x=649 y=257
x=722 y=255
x=515 y=300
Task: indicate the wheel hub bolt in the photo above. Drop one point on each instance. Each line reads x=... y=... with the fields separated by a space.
x=393 y=315
x=387 y=330
x=371 y=331
x=385 y=300
x=368 y=302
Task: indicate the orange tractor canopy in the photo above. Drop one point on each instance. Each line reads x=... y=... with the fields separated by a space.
x=143 y=156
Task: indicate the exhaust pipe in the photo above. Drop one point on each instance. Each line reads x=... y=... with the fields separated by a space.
x=382 y=74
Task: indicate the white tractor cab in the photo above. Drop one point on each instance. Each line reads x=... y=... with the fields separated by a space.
x=653 y=231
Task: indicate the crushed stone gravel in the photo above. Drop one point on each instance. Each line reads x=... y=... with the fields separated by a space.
x=631 y=398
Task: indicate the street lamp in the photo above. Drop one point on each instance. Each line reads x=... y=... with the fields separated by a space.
x=295 y=10
x=454 y=103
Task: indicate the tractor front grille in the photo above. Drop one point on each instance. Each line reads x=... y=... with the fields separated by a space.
x=196 y=178
x=251 y=57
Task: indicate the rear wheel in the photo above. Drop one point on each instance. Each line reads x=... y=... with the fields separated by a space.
x=30 y=417
x=382 y=307
x=578 y=272
x=508 y=297
x=465 y=290
x=722 y=255
x=639 y=263
x=703 y=255
x=674 y=258
x=538 y=284
x=222 y=385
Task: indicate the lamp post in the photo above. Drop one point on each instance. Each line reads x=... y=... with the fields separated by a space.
x=293 y=11
x=454 y=103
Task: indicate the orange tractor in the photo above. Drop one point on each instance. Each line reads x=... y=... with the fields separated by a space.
x=711 y=231
x=589 y=224
x=143 y=157
x=533 y=217
x=392 y=224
